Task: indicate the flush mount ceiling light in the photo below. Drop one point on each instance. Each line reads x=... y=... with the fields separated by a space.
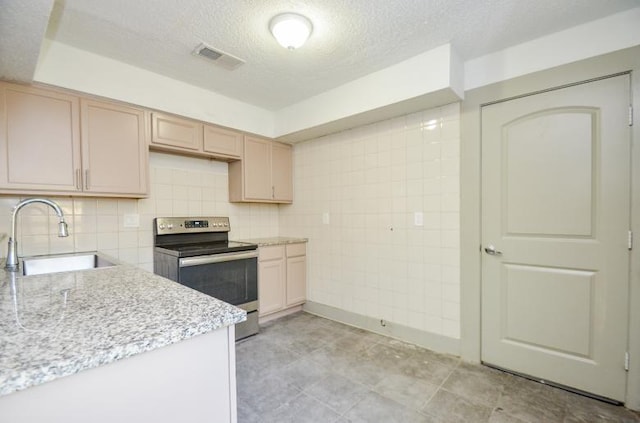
x=290 y=29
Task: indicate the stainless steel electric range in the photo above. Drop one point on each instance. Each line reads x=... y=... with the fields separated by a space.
x=196 y=252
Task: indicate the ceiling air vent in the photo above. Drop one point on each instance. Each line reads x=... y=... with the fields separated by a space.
x=219 y=57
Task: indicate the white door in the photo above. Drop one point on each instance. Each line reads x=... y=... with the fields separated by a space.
x=556 y=211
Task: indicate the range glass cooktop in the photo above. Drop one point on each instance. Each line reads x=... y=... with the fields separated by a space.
x=201 y=249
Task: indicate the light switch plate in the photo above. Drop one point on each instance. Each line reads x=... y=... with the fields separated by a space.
x=131 y=220
x=325 y=218
x=418 y=218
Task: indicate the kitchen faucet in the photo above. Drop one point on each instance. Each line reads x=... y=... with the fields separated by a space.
x=12 y=252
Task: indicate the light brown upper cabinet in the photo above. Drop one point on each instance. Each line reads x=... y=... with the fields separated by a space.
x=222 y=142
x=264 y=174
x=282 y=171
x=180 y=135
x=39 y=139
x=56 y=143
x=114 y=151
x=172 y=132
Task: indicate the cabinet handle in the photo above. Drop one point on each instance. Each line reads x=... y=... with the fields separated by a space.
x=78 y=180
x=273 y=191
x=86 y=179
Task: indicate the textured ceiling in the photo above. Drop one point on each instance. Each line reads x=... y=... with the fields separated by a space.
x=351 y=38
x=22 y=27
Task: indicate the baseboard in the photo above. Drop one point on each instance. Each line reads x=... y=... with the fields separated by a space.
x=278 y=314
x=428 y=340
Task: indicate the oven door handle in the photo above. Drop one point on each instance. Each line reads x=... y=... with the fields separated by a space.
x=216 y=258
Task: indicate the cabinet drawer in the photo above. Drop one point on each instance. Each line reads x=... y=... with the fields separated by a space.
x=271 y=253
x=294 y=250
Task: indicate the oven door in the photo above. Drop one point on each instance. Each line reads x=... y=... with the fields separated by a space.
x=230 y=277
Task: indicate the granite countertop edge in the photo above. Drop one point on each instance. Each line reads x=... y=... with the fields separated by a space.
x=35 y=364
x=275 y=240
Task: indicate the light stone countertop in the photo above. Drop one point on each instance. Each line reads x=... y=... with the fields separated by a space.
x=276 y=240
x=59 y=324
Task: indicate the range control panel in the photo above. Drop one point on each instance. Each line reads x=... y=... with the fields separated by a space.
x=183 y=225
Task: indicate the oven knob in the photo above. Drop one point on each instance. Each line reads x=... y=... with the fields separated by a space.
x=162 y=226
x=226 y=224
x=170 y=226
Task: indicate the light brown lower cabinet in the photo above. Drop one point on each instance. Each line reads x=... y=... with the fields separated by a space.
x=282 y=277
x=296 y=274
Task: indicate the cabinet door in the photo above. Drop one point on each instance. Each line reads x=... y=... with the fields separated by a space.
x=257 y=169
x=39 y=139
x=271 y=286
x=172 y=131
x=114 y=153
x=296 y=280
x=282 y=172
x=222 y=142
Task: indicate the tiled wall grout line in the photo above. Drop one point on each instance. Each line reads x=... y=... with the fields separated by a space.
x=368 y=257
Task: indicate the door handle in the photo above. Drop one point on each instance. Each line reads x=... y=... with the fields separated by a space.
x=491 y=250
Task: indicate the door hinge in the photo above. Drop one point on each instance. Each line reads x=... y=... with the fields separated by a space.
x=630 y=115
x=630 y=241
x=626 y=361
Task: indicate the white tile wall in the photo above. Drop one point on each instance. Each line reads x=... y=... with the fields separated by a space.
x=371 y=259
x=180 y=186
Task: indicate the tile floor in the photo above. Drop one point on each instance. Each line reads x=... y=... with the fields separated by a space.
x=303 y=368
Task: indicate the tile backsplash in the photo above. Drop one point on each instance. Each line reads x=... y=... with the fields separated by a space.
x=357 y=194
x=180 y=186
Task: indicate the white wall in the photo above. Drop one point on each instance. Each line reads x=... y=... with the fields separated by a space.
x=426 y=73
x=371 y=259
x=76 y=69
x=180 y=186
x=417 y=77
x=615 y=32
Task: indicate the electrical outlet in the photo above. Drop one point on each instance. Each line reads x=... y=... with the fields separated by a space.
x=131 y=220
x=325 y=218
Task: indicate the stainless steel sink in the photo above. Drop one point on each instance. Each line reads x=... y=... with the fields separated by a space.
x=63 y=263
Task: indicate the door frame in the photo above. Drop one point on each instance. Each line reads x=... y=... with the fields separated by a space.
x=470 y=187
